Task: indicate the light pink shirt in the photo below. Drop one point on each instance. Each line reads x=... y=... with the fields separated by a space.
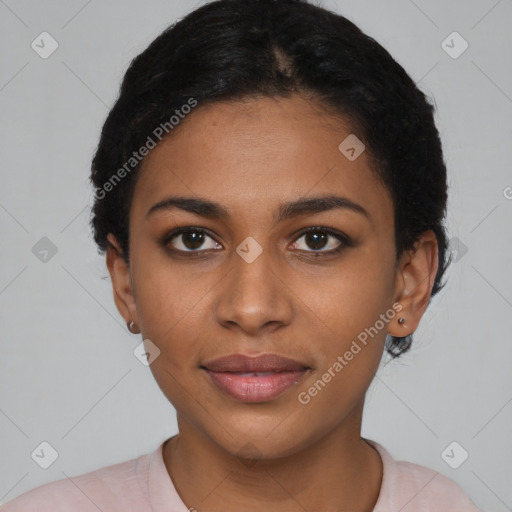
x=143 y=485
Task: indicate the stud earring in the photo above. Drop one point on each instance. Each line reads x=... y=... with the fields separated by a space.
x=401 y=320
x=132 y=327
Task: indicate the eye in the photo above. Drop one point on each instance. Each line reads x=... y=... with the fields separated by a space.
x=196 y=240
x=318 y=238
x=190 y=239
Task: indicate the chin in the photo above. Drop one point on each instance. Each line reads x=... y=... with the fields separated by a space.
x=261 y=440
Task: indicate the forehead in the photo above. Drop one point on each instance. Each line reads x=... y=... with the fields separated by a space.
x=255 y=154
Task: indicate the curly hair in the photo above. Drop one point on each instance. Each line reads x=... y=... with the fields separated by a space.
x=229 y=50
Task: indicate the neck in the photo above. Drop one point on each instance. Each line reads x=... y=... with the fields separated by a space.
x=338 y=472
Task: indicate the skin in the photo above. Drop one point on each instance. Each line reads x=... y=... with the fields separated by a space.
x=251 y=156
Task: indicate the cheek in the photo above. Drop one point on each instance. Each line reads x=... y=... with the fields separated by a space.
x=168 y=294
x=351 y=296
x=352 y=304
x=335 y=390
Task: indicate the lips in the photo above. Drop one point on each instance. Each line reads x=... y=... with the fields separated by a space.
x=241 y=363
x=254 y=379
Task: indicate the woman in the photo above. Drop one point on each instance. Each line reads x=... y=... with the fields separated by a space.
x=270 y=194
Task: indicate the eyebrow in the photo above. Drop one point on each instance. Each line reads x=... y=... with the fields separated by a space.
x=212 y=210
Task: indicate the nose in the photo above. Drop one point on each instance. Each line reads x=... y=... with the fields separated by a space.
x=254 y=297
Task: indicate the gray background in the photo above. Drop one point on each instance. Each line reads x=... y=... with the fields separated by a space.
x=67 y=372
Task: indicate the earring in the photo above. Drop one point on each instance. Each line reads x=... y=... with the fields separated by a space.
x=132 y=327
x=401 y=320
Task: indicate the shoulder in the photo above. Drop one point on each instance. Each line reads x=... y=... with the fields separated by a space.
x=411 y=487
x=116 y=487
x=428 y=488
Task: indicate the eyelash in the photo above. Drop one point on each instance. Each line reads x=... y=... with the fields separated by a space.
x=341 y=237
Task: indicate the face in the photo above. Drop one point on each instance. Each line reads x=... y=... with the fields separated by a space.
x=252 y=280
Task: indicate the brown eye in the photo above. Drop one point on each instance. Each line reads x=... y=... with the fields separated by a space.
x=318 y=239
x=190 y=240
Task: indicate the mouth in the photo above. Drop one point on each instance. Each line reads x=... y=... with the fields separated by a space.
x=254 y=379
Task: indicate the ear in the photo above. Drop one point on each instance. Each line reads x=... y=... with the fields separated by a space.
x=414 y=281
x=121 y=280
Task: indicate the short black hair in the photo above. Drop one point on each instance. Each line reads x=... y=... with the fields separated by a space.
x=229 y=50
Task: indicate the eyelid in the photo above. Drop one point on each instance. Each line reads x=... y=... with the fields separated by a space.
x=339 y=235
